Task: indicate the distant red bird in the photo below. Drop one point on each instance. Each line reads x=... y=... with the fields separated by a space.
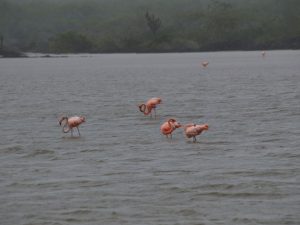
x=205 y=64
x=150 y=104
x=71 y=122
x=169 y=126
x=192 y=130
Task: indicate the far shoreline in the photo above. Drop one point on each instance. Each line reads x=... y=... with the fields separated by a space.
x=14 y=54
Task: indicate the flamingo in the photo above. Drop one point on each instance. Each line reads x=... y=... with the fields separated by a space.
x=205 y=64
x=71 y=122
x=150 y=104
x=192 y=130
x=169 y=126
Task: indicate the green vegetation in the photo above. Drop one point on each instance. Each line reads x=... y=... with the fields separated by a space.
x=70 y=42
x=4 y=52
x=73 y=26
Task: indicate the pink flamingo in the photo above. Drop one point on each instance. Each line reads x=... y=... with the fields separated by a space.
x=150 y=104
x=205 y=64
x=71 y=122
x=192 y=130
x=169 y=126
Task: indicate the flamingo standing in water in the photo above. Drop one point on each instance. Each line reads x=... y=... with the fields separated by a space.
x=71 y=122
x=169 y=126
x=205 y=64
x=150 y=104
x=192 y=130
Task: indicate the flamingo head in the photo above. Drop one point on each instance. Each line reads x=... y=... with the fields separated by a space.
x=205 y=126
x=62 y=118
x=142 y=107
x=177 y=124
x=205 y=63
x=82 y=118
x=174 y=123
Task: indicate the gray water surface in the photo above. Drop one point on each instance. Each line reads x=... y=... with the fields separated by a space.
x=244 y=170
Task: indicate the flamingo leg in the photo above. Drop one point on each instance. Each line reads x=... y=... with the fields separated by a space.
x=78 y=131
x=149 y=109
x=154 y=113
x=71 y=132
x=194 y=139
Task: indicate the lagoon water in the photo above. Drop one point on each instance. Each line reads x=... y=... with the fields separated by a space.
x=244 y=170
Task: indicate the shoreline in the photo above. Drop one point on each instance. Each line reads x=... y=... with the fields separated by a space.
x=14 y=54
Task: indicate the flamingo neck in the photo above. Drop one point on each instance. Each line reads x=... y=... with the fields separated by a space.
x=144 y=109
x=66 y=128
x=171 y=125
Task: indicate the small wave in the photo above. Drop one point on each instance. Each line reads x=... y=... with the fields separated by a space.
x=11 y=149
x=90 y=183
x=70 y=138
x=271 y=140
x=256 y=173
x=119 y=173
x=91 y=150
x=216 y=186
x=171 y=172
x=138 y=160
x=282 y=155
x=38 y=152
x=218 y=194
x=188 y=212
x=77 y=212
x=73 y=220
x=58 y=184
x=216 y=142
x=246 y=221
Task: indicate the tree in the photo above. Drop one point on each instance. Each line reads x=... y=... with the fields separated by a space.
x=72 y=42
x=221 y=25
x=154 y=23
x=1 y=41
